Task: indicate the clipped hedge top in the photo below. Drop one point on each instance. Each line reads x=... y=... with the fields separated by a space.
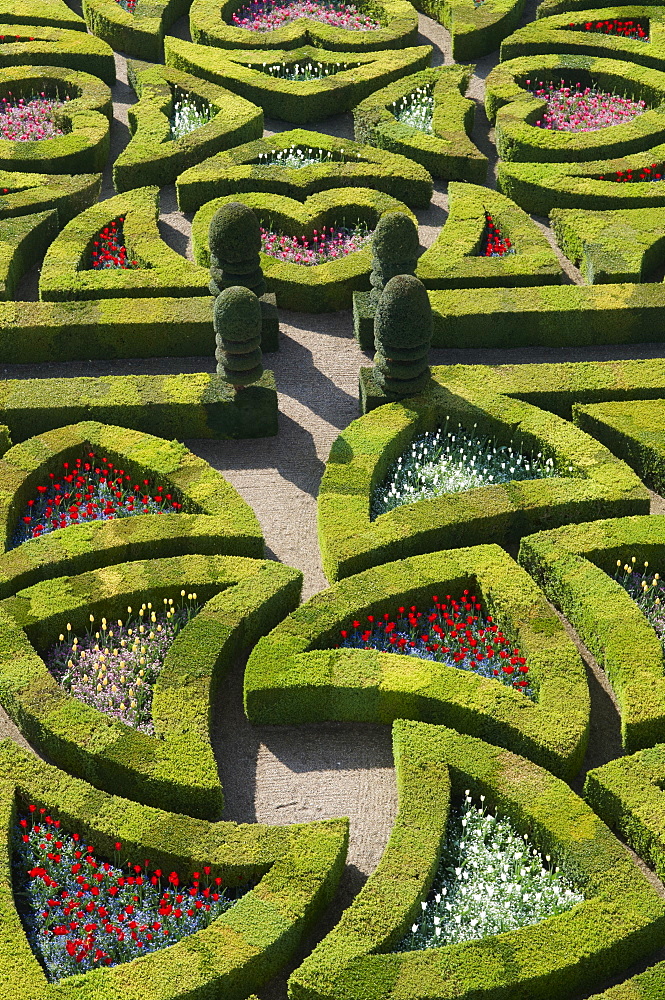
x=55 y=46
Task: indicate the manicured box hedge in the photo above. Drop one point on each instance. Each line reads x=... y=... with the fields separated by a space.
x=85 y=146
x=564 y=33
x=292 y=100
x=176 y=767
x=67 y=271
x=27 y=193
x=633 y=431
x=53 y=13
x=453 y=259
x=210 y=24
x=477 y=29
x=352 y=165
x=298 y=866
x=575 y=566
x=140 y=33
x=448 y=151
x=600 y=485
x=621 y=245
x=170 y=406
x=216 y=520
x=621 y=920
x=515 y=110
x=23 y=241
x=151 y=156
x=295 y=675
x=49 y=46
x=321 y=287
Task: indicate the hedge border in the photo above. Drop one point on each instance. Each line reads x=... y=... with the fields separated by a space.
x=170 y=406
x=67 y=274
x=85 y=146
x=151 y=156
x=49 y=46
x=23 y=240
x=176 y=767
x=238 y=170
x=515 y=111
x=298 y=866
x=399 y=20
x=295 y=675
x=29 y=193
x=452 y=261
x=323 y=287
x=290 y=100
x=572 y=565
x=45 y=13
x=362 y=454
x=475 y=31
x=448 y=152
x=633 y=432
x=620 y=920
x=621 y=245
x=140 y=34
x=218 y=522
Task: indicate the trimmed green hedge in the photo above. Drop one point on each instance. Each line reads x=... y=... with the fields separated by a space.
x=292 y=100
x=152 y=156
x=23 y=241
x=51 y=13
x=48 y=46
x=515 y=109
x=633 y=432
x=84 y=119
x=295 y=675
x=351 y=165
x=321 y=287
x=298 y=867
x=27 y=193
x=217 y=520
x=210 y=24
x=476 y=30
x=448 y=151
x=575 y=566
x=621 y=920
x=624 y=245
x=649 y=985
x=453 y=259
x=140 y=33
x=170 y=406
x=564 y=33
x=67 y=272
x=599 y=486
x=176 y=767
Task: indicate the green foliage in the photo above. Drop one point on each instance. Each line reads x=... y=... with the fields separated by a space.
x=28 y=193
x=322 y=287
x=353 y=165
x=621 y=919
x=138 y=34
x=234 y=242
x=291 y=100
x=633 y=431
x=23 y=241
x=624 y=245
x=237 y=321
x=402 y=337
x=49 y=13
x=152 y=156
x=295 y=675
x=56 y=46
x=298 y=868
x=395 y=250
x=502 y=403
x=399 y=27
x=448 y=152
x=477 y=30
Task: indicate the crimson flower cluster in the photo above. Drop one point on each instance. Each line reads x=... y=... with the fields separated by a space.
x=652 y=173
x=81 y=913
x=453 y=632
x=494 y=243
x=109 y=250
x=625 y=29
x=90 y=489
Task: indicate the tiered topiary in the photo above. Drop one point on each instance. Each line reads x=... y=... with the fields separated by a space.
x=237 y=322
x=395 y=251
x=235 y=241
x=402 y=337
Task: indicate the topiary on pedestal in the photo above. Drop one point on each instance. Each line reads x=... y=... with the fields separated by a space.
x=395 y=250
x=402 y=337
x=237 y=322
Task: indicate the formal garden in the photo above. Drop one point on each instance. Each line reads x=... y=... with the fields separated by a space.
x=332 y=500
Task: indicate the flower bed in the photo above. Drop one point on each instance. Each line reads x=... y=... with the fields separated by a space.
x=267 y=15
x=31 y=119
x=416 y=109
x=490 y=881
x=111 y=252
x=495 y=244
x=457 y=633
x=573 y=108
x=114 y=668
x=647 y=590
x=638 y=30
x=452 y=461
x=188 y=113
x=81 y=912
x=304 y=72
x=330 y=243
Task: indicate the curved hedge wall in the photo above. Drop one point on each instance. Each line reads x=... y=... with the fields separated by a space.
x=622 y=245
x=475 y=29
x=633 y=432
x=56 y=46
x=26 y=193
x=139 y=33
x=49 y=13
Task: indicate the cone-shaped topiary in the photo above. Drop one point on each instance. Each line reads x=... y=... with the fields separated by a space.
x=237 y=322
x=394 y=251
x=402 y=337
x=235 y=242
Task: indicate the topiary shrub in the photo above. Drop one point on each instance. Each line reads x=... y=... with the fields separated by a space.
x=235 y=242
x=237 y=322
x=402 y=337
x=395 y=249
